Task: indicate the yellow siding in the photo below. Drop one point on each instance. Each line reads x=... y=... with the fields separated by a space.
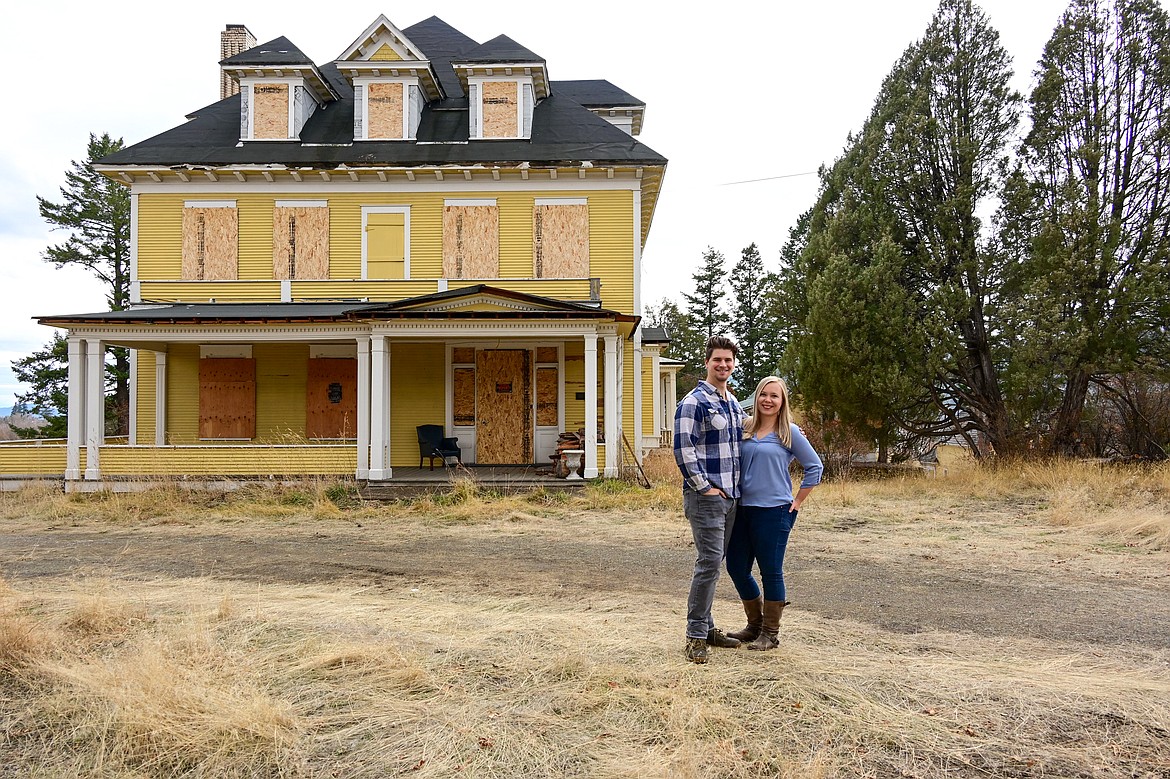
x=144 y=406
x=611 y=239
x=385 y=54
x=30 y=460
x=222 y=291
x=183 y=394
x=281 y=379
x=417 y=387
x=229 y=461
x=561 y=289
x=374 y=290
x=647 y=397
x=574 y=383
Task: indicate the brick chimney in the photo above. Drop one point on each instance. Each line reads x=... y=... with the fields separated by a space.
x=234 y=39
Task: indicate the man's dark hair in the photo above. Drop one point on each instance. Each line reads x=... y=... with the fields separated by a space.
x=720 y=342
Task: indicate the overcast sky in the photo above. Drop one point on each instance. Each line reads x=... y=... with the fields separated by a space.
x=762 y=90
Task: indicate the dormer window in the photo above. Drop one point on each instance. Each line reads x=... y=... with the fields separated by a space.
x=386 y=109
x=500 y=108
x=274 y=109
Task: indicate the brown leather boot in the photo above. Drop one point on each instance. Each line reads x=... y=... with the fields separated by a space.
x=770 y=627
x=755 y=617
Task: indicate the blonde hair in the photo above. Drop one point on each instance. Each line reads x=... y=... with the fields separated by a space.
x=783 y=419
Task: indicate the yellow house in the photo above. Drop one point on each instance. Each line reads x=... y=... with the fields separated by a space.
x=426 y=230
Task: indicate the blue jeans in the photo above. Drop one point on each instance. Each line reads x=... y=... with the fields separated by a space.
x=760 y=535
x=712 y=518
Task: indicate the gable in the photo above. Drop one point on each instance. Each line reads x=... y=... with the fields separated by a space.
x=382 y=42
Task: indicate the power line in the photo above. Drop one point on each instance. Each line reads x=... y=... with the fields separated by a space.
x=769 y=178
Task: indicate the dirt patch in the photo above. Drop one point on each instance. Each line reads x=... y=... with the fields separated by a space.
x=887 y=575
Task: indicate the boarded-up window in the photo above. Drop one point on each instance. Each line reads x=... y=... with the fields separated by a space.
x=546 y=397
x=300 y=242
x=384 y=106
x=500 y=110
x=471 y=244
x=210 y=240
x=463 y=354
x=560 y=241
x=227 y=397
x=331 y=398
x=546 y=354
x=270 y=111
x=385 y=245
x=463 y=405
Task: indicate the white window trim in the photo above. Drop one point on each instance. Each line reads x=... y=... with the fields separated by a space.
x=464 y=201
x=209 y=204
x=562 y=201
x=407 y=109
x=405 y=210
x=302 y=204
x=478 y=107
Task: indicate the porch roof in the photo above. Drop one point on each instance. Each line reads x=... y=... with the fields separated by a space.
x=437 y=305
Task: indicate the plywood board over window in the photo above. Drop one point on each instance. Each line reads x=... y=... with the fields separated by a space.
x=500 y=109
x=560 y=241
x=270 y=111
x=463 y=396
x=227 y=397
x=471 y=242
x=384 y=105
x=331 y=398
x=546 y=397
x=210 y=243
x=300 y=242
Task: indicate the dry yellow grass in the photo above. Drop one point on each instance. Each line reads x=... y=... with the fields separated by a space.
x=307 y=681
x=206 y=677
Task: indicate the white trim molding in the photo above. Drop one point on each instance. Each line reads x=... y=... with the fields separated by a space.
x=405 y=211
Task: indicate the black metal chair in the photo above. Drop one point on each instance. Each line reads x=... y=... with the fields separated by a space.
x=432 y=444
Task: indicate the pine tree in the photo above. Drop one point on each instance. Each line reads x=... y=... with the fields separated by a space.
x=47 y=372
x=95 y=212
x=1086 y=218
x=753 y=324
x=704 y=307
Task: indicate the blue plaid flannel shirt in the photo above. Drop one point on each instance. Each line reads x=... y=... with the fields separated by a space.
x=707 y=432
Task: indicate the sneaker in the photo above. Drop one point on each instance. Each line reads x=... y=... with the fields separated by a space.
x=716 y=637
x=696 y=650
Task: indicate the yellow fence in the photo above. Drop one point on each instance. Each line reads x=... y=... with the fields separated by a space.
x=30 y=458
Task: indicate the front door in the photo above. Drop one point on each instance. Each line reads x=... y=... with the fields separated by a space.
x=503 y=406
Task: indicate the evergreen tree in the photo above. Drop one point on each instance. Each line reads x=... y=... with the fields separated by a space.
x=95 y=213
x=704 y=307
x=753 y=323
x=1086 y=217
x=686 y=344
x=47 y=372
x=900 y=209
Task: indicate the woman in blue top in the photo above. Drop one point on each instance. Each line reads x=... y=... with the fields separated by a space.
x=767 y=509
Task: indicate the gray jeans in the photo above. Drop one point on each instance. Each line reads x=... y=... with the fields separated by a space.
x=711 y=518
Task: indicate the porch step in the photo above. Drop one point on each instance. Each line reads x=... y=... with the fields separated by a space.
x=407 y=482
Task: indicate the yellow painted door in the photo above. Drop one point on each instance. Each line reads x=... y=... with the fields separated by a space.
x=385 y=245
x=503 y=407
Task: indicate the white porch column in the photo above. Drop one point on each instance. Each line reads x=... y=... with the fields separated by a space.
x=363 y=407
x=76 y=421
x=591 y=406
x=613 y=441
x=132 y=412
x=379 y=408
x=160 y=398
x=95 y=398
x=656 y=392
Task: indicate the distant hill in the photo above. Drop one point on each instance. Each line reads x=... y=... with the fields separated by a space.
x=6 y=416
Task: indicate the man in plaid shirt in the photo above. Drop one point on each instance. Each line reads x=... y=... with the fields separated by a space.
x=708 y=426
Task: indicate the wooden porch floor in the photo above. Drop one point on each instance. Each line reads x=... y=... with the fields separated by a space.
x=502 y=478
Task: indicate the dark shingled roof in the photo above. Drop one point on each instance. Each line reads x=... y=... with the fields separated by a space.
x=278 y=51
x=595 y=93
x=219 y=312
x=655 y=335
x=500 y=49
x=563 y=131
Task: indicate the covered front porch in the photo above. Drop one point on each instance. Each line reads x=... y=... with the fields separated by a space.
x=286 y=390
